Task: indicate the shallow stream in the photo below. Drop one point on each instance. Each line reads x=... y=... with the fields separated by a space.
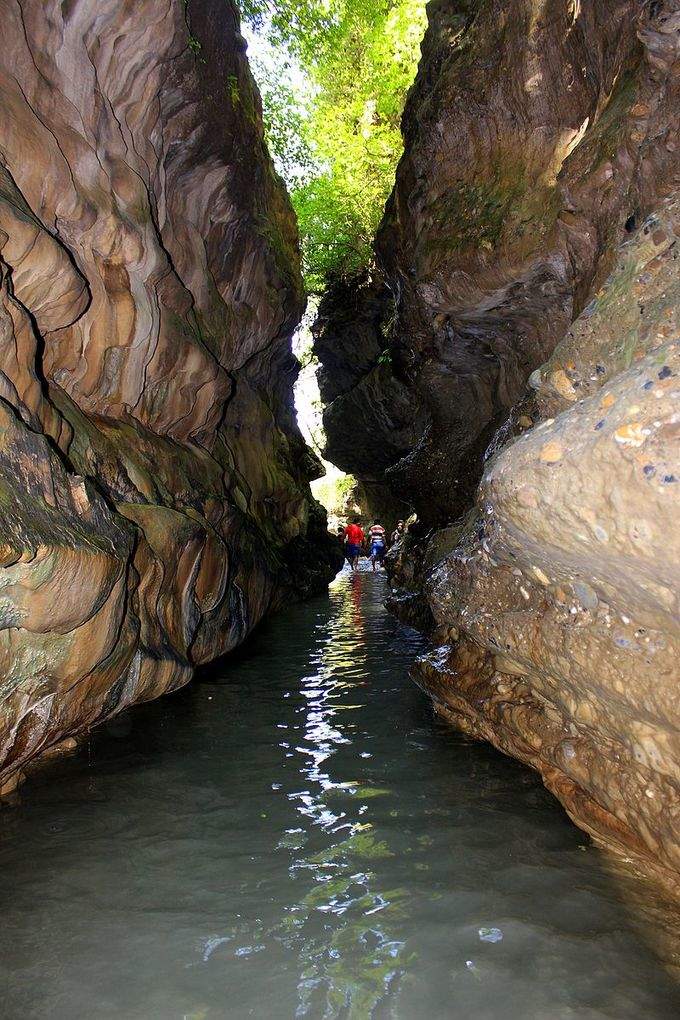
x=295 y=835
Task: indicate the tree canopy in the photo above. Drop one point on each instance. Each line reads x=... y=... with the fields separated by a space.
x=334 y=76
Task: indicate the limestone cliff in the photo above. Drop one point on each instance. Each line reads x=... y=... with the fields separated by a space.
x=154 y=493
x=534 y=222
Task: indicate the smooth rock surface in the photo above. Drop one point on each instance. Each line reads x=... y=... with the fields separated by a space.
x=154 y=491
x=370 y=418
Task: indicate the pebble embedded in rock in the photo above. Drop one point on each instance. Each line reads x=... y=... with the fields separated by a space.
x=562 y=384
x=632 y=434
x=540 y=576
x=585 y=594
x=552 y=452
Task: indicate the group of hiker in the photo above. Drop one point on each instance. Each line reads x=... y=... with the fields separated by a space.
x=375 y=541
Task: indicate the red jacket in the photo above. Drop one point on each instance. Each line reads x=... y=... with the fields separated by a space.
x=354 y=534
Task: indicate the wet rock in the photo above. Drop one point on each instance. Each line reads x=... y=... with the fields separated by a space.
x=155 y=500
x=534 y=663
x=64 y=747
x=370 y=418
x=9 y=786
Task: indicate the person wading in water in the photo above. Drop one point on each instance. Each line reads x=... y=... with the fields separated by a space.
x=343 y=541
x=377 y=538
x=355 y=536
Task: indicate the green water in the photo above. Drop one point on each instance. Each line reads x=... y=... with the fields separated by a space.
x=296 y=836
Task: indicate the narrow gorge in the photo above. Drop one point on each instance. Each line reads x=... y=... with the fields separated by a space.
x=527 y=297
x=498 y=364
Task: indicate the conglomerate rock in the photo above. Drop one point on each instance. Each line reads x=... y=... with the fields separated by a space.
x=534 y=236
x=560 y=611
x=154 y=493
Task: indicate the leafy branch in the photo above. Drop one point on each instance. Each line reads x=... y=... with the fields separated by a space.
x=337 y=141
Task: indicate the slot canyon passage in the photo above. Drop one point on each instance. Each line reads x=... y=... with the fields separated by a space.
x=297 y=832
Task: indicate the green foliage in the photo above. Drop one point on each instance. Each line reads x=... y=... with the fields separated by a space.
x=344 y=488
x=336 y=491
x=336 y=228
x=235 y=95
x=337 y=141
x=284 y=122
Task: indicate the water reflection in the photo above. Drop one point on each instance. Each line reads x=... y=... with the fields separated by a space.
x=344 y=928
x=296 y=836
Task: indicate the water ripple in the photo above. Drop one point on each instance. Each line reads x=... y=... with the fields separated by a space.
x=296 y=836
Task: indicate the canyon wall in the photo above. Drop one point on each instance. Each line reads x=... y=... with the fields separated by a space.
x=528 y=271
x=154 y=487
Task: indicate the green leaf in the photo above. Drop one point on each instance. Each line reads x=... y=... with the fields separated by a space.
x=333 y=96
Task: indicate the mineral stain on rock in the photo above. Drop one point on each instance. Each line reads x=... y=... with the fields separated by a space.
x=154 y=496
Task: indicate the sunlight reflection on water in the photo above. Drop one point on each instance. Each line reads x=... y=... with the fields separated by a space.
x=296 y=836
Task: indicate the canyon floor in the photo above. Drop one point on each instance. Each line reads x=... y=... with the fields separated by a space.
x=298 y=835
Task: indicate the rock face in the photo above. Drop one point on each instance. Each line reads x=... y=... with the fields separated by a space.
x=154 y=493
x=533 y=235
x=370 y=417
x=559 y=612
x=534 y=132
